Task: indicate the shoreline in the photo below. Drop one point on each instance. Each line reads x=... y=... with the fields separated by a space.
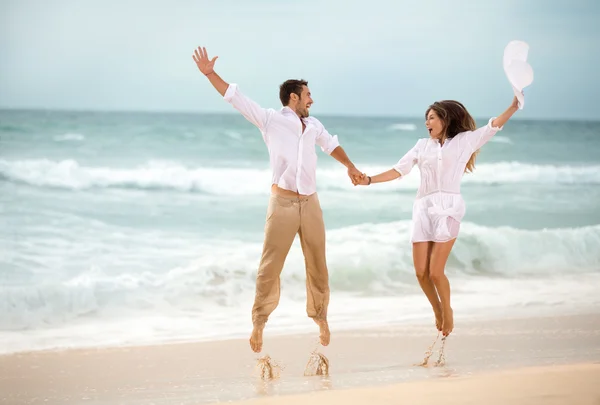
x=308 y=329
x=208 y=372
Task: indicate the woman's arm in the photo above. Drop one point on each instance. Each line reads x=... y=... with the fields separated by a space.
x=505 y=116
x=479 y=137
x=390 y=175
x=402 y=168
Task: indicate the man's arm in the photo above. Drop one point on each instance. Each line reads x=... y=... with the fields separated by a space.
x=207 y=66
x=355 y=175
x=339 y=154
x=230 y=92
x=330 y=145
x=218 y=83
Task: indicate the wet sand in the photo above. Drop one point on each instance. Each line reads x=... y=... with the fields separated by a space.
x=378 y=365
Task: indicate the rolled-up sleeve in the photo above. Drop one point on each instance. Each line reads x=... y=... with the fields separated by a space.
x=326 y=141
x=408 y=161
x=247 y=107
x=476 y=139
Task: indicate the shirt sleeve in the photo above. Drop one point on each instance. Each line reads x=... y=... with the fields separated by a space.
x=326 y=141
x=479 y=137
x=249 y=108
x=408 y=161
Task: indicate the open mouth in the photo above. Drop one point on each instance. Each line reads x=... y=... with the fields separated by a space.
x=429 y=129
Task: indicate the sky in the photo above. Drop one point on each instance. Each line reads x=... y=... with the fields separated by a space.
x=374 y=58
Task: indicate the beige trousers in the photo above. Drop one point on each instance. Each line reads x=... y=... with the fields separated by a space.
x=287 y=217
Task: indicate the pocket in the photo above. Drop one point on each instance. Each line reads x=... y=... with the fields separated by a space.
x=270 y=211
x=275 y=204
x=271 y=208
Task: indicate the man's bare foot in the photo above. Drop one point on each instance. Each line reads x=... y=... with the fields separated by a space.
x=448 y=323
x=324 y=334
x=256 y=339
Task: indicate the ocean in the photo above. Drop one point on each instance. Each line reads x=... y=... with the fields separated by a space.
x=137 y=228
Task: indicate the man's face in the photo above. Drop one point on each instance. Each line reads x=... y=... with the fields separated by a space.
x=304 y=102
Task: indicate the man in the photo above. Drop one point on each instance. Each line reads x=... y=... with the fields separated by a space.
x=290 y=135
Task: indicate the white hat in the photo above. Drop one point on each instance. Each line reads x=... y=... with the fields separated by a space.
x=518 y=71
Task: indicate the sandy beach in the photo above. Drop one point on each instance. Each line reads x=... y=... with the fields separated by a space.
x=517 y=361
x=571 y=384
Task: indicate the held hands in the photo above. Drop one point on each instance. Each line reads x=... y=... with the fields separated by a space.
x=356 y=176
x=364 y=181
x=205 y=65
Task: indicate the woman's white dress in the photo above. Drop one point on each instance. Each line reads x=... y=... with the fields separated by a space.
x=439 y=207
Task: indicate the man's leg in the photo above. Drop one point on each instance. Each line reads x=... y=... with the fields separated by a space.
x=283 y=222
x=312 y=238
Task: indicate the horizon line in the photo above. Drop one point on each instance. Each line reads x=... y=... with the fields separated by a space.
x=199 y=112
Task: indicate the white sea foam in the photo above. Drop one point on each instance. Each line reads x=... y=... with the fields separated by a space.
x=69 y=174
x=501 y=139
x=368 y=259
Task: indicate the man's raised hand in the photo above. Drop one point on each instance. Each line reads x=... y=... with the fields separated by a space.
x=205 y=65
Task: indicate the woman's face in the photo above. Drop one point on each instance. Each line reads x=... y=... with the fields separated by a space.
x=434 y=124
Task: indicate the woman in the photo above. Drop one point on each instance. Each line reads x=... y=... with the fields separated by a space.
x=442 y=158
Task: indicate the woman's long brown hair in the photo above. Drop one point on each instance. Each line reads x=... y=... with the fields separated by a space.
x=455 y=119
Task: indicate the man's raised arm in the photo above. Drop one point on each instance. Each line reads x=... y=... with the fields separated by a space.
x=206 y=66
x=230 y=92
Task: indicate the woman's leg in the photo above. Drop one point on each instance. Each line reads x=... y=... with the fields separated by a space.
x=437 y=265
x=421 y=260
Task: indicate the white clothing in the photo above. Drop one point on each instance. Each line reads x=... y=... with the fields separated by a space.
x=439 y=206
x=292 y=152
x=516 y=68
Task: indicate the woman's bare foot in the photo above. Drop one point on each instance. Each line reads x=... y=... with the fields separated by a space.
x=439 y=319
x=324 y=334
x=256 y=339
x=448 y=323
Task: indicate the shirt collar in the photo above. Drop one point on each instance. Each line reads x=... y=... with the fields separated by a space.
x=287 y=110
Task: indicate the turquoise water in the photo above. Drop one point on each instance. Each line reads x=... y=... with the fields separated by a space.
x=130 y=227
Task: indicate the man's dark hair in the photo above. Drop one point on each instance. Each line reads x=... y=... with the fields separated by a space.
x=288 y=87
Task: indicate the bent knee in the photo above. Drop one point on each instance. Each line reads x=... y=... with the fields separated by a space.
x=422 y=273
x=436 y=276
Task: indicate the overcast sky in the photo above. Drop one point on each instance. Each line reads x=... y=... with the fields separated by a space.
x=371 y=57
